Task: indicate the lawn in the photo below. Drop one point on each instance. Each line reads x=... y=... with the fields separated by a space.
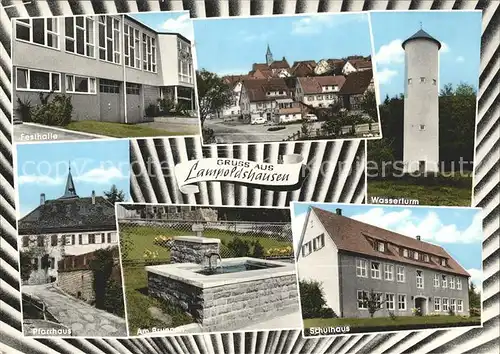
x=425 y=194
x=117 y=130
x=138 y=304
x=386 y=323
x=142 y=238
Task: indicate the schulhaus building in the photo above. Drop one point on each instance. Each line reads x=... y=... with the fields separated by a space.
x=113 y=67
x=351 y=259
x=67 y=226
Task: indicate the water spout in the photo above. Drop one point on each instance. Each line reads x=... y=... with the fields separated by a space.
x=209 y=255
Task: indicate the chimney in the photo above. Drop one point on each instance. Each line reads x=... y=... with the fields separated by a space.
x=42 y=198
x=418 y=237
x=338 y=211
x=93 y=197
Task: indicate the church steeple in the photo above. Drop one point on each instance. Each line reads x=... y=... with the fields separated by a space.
x=70 y=191
x=269 y=56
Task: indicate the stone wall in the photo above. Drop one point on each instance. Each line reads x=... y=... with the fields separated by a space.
x=77 y=283
x=231 y=306
x=191 y=252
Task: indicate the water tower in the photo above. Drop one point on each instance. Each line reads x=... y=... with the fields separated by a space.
x=421 y=103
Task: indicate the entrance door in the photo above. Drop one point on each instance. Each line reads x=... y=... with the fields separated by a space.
x=421 y=166
x=420 y=304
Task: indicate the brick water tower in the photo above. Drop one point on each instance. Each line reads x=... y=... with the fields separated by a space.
x=421 y=103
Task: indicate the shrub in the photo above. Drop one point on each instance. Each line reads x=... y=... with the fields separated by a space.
x=451 y=312
x=113 y=298
x=327 y=312
x=57 y=112
x=239 y=247
x=392 y=315
x=166 y=105
x=24 y=109
x=25 y=264
x=182 y=108
x=258 y=250
x=475 y=312
x=102 y=267
x=208 y=136
x=273 y=129
x=312 y=299
x=152 y=110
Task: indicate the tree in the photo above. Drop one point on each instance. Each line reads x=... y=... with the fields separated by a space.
x=305 y=130
x=447 y=90
x=381 y=154
x=369 y=104
x=114 y=195
x=258 y=250
x=102 y=267
x=312 y=298
x=213 y=93
x=373 y=302
x=474 y=297
x=25 y=264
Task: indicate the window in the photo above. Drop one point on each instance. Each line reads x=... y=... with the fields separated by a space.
x=69 y=240
x=98 y=238
x=420 y=279
x=84 y=239
x=402 y=302
x=409 y=81
x=27 y=79
x=42 y=31
x=361 y=268
x=310 y=98
x=319 y=242
x=185 y=71
x=53 y=240
x=80 y=84
x=80 y=35
x=132 y=47
x=453 y=305
x=381 y=246
x=460 y=305
x=52 y=261
x=26 y=241
x=421 y=127
x=133 y=89
x=375 y=270
x=92 y=239
x=390 y=302
x=319 y=97
x=306 y=249
x=415 y=255
x=405 y=253
x=400 y=271
x=362 y=296
x=422 y=79
x=444 y=282
x=437 y=304
x=40 y=241
x=426 y=258
x=109 y=39
x=452 y=282
x=388 y=272
x=459 y=284
x=379 y=298
x=109 y=86
x=148 y=53
x=436 y=280
x=113 y=237
x=445 y=304
x=443 y=262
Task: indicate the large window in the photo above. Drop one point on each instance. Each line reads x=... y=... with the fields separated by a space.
x=132 y=47
x=362 y=296
x=453 y=305
x=109 y=86
x=362 y=268
x=390 y=301
x=148 y=53
x=452 y=282
x=444 y=281
x=319 y=242
x=185 y=62
x=401 y=302
x=133 y=89
x=400 y=274
x=459 y=284
x=80 y=84
x=42 y=31
x=375 y=270
x=420 y=279
x=306 y=249
x=109 y=39
x=27 y=79
x=436 y=280
x=437 y=304
x=80 y=35
x=460 y=305
x=388 y=272
x=445 y=304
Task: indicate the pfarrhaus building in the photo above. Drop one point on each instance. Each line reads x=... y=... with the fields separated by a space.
x=112 y=67
x=421 y=103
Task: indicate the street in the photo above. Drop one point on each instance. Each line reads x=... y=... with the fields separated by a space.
x=81 y=318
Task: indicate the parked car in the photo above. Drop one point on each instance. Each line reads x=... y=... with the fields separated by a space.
x=258 y=120
x=311 y=117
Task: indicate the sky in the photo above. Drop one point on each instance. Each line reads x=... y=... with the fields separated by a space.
x=458 y=230
x=175 y=22
x=231 y=46
x=459 y=33
x=96 y=165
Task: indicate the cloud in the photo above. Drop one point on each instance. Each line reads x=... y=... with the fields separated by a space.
x=181 y=24
x=45 y=180
x=391 y=53
x=101 y=175
x=246 y=36
x=430 y=228
x=385 y=75
x=316 y=24
x=476 y=276
x=445 y=48
x=460 y=59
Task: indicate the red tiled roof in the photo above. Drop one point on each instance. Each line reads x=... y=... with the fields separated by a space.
x=303 y=68
x=280 y=64
x=259 y=66
x=353 y=236
x=312 y=85
x=357 y=82
x=256 y=89
x=232 y=80
x=312 y=63
x=361 y=63
x=339 y=62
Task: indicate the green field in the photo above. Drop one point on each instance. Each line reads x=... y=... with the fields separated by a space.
x=426 y=195
x=142 y=238
x=117 y=130
x=387 y=323
x=138 y=304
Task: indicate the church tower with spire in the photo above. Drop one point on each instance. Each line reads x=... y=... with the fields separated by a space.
x=269 y=56
x=70 y=190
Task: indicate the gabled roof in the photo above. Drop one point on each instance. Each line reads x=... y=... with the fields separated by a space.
x=313 y=85
x=279 y=64
x=361 y=63
x=256 y=89
x=354 y=236
x=339 y=62
x=233 y=80
x=421 y=34
x=312 y=63
x=259 y=66
x=357 y=82
x=69 y=215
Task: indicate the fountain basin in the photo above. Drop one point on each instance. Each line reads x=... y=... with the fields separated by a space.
x=250 y=290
